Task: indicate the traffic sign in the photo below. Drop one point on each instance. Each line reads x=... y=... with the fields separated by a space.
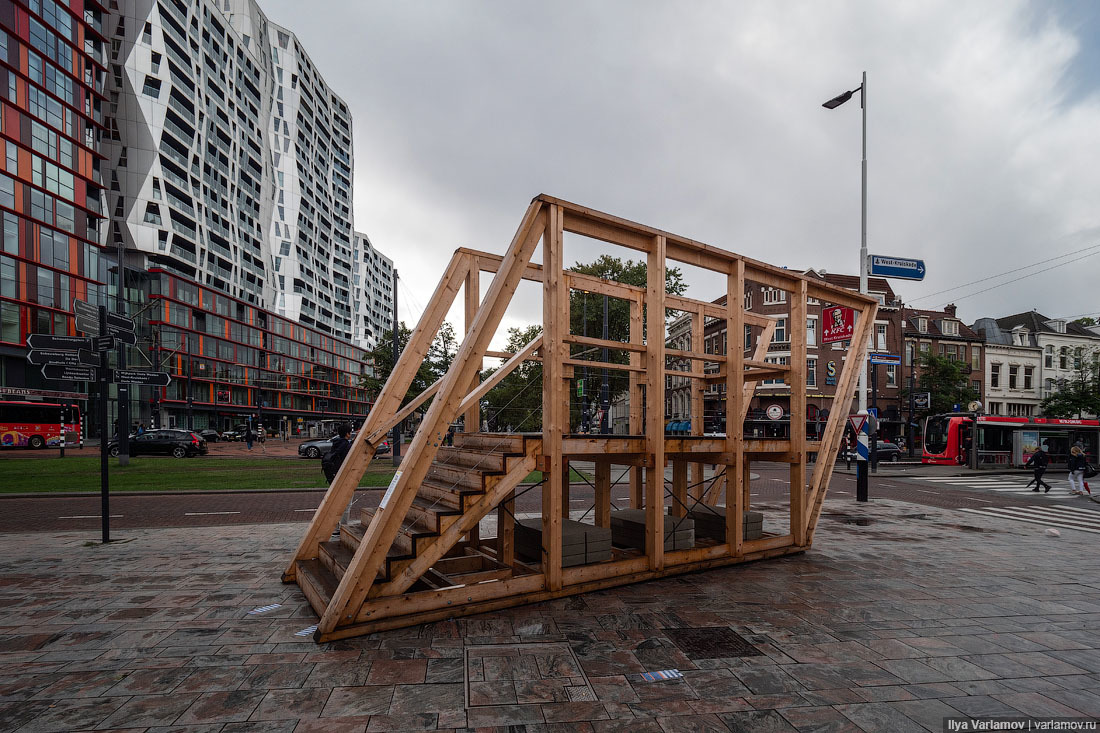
x=897 y=267
x=140 y=376
x=115 y=320
x=70 y=358
x=70 y=373
x=103 y=343
x=884 y=359
x=857 y=422
x=62 y=343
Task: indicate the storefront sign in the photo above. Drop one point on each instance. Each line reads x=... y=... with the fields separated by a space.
x=839 y=324
x=775 y=412
x=830 y=374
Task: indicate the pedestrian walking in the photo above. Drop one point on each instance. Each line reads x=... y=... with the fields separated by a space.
x=249 y=436
x=331 y=461
x=1038 y=464
x=1076 y=467
x=263 y=439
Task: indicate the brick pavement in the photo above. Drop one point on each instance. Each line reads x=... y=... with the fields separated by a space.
x=893 y=621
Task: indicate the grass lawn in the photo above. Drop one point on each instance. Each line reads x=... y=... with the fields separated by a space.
x=81 y=473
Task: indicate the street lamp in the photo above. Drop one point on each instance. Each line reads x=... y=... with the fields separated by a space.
x=861 y=463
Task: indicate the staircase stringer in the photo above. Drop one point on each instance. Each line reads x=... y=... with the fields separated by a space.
x=362 y=450
x=499 y=490
x=386 y=522
x=834 y=428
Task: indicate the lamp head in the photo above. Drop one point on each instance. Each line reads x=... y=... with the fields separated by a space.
x=839 y=100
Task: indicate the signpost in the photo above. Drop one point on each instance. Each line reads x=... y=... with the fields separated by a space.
x=140 y=376
x=40 y=357
x=60 y=343
x=897 y=267
x=890 y=359
x=67 y=373
x=839 y=323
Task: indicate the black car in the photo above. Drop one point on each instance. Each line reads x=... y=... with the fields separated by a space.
x=168 y=442
x=210 y=436
x=883 y=452
x=315 y=448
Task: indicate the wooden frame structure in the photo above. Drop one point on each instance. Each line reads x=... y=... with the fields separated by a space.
x=418 y=557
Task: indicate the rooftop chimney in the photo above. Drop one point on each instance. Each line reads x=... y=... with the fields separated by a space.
x=949 y=309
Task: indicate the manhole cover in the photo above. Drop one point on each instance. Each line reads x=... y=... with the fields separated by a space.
x=711 y=642
x=536 y=673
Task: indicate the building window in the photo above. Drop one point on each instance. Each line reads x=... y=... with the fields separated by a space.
x=922 y=325
x=1013 y=372
x=994 y=408
x=811 y=372
x=891 y=375
x=909 y=349
x=774 y=295
x=950 y=328
x=811 y=332
x=1028 y=374
x=994 y=375
x=1048 y=357
x=151 y=87
x=880 y=336
x=1063 y=358
x=780 y=335
x=748 y=337
x=152 y=214
x=976 y=358
x=748 y=300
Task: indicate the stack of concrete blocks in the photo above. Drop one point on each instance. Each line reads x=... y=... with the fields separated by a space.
x=628 y=530
x=710 y=522
x=582 y=544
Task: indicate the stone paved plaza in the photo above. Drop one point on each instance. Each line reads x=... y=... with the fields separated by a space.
x=900 y=617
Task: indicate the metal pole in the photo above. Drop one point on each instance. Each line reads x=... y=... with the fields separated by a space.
x=64 y=409
x=864 y=451
x=874 y=431
x=586 y=422
x=909 y=423
x=123 y=389
x=104 y=429
x=190 y=392
x=396 y=441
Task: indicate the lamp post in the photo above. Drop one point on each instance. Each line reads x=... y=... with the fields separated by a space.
x=864 y=451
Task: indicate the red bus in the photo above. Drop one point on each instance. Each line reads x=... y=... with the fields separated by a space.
x=1004 y=441
x=37 y=424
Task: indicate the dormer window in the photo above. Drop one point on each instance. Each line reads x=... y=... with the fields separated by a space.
x=950 y=328
x=922 y=325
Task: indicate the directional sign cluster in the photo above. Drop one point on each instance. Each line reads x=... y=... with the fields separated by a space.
x=897 y=267
x=83 y=358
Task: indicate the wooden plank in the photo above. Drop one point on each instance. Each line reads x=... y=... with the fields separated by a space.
x=735 y=402
x=635 y=417
x=601 y=365
x=524 y=354
x=506 y=530
x=380 y=433
x=797 y=381
x=697 y=416
x=593 y=284
x=389 y=400
x=679 y=489
x=383 y=528
x=711 y=310
x=591 y=341
x=696 y=355
x=555 y=407
x=491 y=262
x=603 y=493
x=655 y=402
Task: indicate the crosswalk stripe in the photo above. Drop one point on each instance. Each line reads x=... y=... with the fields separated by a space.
x=1074 y=511
x=993 y=512
x=1045 y=513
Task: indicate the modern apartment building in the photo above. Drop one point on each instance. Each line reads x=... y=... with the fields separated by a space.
x=52 y=77
x=373 y=282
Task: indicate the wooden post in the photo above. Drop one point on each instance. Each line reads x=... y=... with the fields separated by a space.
x=655 y=403
x=735 y=405
x=796 y=379
x=636 y=426
x=679 y=488
x=697 y=387
x=603 y=493
x=472 y=418
x=555 y=408
x=564 y=478
x=506 y=531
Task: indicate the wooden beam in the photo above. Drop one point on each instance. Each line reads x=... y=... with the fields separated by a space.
x=592 y=341
x=600 y=286
x=498 y=376
x=603 y=493
x=735 y=402
x=491 y=262
x=636 y=426
x=697 y=416
x=655 y=402
x=797 y=381
x=472 y=414
x=679 y=489
x=380 y=434
x=555 y=408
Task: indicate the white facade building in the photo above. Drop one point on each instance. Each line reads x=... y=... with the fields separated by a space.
x=230 y=159
x=373 y=280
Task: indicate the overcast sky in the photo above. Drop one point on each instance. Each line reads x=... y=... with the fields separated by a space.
x=705 y=119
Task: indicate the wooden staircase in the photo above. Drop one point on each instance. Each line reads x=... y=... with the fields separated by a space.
x=458 y=479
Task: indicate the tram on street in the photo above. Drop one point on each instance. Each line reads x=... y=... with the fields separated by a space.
x=1005 y=441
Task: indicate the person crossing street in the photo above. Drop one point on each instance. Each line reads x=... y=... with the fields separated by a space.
x=1038 y=464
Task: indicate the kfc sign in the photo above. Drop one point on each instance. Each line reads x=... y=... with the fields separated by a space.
x=838 y=324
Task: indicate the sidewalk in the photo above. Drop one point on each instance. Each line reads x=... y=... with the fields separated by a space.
x=895 y=620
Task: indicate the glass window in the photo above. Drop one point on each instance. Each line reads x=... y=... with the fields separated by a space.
x=11 y=233
x=975 y=357
x=45 y=287
x=880 y=336
x=1029 y=373
x=9 y=286
x=891 y=375
x=994 y=375
x=811 y=332
x=1013 y=373
x=9 y=322
x=780 y=334
x=811 y=372
x=1048 y=356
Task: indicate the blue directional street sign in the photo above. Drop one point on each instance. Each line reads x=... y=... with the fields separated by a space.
x=897 y=267
x=884 y=358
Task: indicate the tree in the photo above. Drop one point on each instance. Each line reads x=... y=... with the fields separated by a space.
x=516 y=402
x=440 y=354
x=1079 y=394
x=946 y=382
x=1086 y=321
x=616 y=269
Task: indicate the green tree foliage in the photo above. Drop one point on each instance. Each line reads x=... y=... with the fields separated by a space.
x=1079 y=394
x=440 y=354
x=517 y=401
x=946 y=380
x=1086 y=321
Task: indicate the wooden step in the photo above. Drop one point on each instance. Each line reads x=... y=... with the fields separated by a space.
x=351 y=535
x=470 y=458
x=318 y=584
x=458 y=477
x=491 y=442
x=409 y=538
x=335 y=556
x=446 y=495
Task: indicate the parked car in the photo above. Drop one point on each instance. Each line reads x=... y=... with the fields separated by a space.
x=315 y=448
x=176 y=443
x=231 y=436
x=210 y=436
x=884 y=451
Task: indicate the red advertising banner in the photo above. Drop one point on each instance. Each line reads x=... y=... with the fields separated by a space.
x=838 y=324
